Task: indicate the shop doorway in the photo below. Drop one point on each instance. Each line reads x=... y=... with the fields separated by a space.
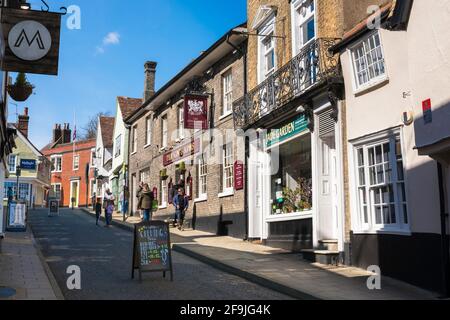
x=327 y=178
x=74 y=194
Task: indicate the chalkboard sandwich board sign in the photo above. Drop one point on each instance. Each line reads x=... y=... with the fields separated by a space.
x=152 y=248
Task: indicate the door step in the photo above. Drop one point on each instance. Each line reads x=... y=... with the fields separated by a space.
x=326 y=257
x=329 y=245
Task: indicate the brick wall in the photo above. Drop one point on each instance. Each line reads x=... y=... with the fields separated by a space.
x=151 y=157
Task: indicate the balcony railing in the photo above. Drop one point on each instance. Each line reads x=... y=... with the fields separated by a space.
x=313 y=66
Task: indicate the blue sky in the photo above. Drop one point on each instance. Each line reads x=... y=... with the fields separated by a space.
x=106 y=57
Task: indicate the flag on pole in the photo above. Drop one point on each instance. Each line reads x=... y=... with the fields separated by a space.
x=75 y=134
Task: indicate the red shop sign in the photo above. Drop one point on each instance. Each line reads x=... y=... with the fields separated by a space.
x=196 y=112
x=238 y=175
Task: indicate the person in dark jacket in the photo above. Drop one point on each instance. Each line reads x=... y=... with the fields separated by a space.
x=145 y=203
x=98 y=210
x=181 y=204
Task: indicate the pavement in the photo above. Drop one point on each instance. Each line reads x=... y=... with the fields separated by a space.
x=104 y=258
x=283 y=271
x=23 y=272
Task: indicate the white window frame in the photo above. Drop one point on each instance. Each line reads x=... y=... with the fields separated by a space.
x=77 y=166
x=92 y=187
x=15 y=163
x=180 y=115
x=164 y=131
x=357 y=87
x=227 y=159
x=267 y=30
x=202 y=176
x=148 y=131
x=54 y=189
x=55 y=159
x=164 y=193
x=298 y=22
x=227 y=93
x=358 y=222
x=118 y=146
x=134 y=139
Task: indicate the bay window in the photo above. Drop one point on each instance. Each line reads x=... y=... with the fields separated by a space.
x=380 y=181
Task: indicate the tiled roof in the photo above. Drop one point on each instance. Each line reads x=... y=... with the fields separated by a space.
x=129 y=105
x=68 y=147
x=107 y=127
x=363 y=24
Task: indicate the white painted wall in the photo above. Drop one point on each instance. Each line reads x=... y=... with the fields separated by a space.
x=119 y=129
x=428 y=44
x=381 y=109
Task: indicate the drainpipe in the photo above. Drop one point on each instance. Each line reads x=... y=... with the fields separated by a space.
x=444 y=238
x=247 y=145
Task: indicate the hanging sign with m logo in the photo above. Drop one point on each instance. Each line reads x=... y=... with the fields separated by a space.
x=31 y=40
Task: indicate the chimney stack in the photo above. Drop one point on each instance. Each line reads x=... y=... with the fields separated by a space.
x=23 y=123
x=57 y=134
x=67 y=134
x=149 y=84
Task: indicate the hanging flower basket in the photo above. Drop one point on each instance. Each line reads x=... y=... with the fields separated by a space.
x=20 y=93
x=21 y=90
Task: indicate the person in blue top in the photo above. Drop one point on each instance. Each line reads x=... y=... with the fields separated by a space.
x=181 y=204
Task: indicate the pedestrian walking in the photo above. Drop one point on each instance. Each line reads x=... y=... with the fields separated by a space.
x=146 y=202
x=98 y=210
x=181 y=204
x=174 y=193
x=138 y=196
x=108 y=205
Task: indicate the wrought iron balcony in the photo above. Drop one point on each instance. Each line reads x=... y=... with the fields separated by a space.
x=314 y=66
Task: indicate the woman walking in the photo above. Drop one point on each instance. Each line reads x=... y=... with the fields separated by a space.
x=145 y=203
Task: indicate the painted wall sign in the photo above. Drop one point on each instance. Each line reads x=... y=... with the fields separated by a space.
x=238 y=175
x=28 y=164
x=196 y=112
x=152 y=248
x=427 y=111
x=32 y=40
x=287 y=131
x=182 y=152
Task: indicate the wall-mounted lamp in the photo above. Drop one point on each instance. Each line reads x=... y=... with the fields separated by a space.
x=301 y=109
x=25 y=6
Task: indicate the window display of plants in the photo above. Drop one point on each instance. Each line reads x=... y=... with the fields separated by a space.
x=298 y=199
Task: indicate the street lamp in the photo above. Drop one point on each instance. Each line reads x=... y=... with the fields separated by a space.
x=18 y=174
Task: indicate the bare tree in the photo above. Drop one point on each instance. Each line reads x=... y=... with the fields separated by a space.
x=90 y=130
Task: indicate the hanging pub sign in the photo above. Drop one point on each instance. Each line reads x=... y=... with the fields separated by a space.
x=182 y=152
x=195 y=112
x=31 y=41
x=152 y=248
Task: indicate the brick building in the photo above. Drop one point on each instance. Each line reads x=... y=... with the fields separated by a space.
x=295 y=102
x=72 y=167
x=163 y=152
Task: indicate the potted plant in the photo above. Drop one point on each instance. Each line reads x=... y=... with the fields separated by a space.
x=21 y=90
x=299 y=199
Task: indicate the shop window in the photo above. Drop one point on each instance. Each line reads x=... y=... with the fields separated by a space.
x=380 y=181
x=57 y=190
x=24 y=190
x=292 y=185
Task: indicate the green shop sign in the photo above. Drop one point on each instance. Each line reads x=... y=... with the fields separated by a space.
x=287 y=131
